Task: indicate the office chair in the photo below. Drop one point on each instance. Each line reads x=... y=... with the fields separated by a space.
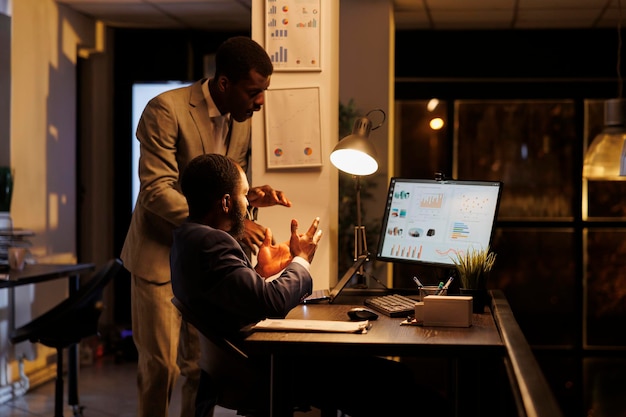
x=67 y=323
x=224 y=359
x=215 y=349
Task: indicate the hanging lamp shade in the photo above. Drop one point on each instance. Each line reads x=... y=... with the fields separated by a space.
x=356 y=154
x=605 y=159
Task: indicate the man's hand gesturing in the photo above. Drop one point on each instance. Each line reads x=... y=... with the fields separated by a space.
x=305 y=245
x=272 y=258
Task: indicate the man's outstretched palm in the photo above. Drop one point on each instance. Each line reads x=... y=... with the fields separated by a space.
x=272 y=258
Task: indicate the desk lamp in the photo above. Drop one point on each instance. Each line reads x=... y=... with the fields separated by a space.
x=356 y=155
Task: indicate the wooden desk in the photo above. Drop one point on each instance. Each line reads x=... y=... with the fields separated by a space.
x=33 y=274
x=386 y=337
x=494 y=349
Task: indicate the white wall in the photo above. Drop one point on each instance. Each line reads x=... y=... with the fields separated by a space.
x=43 y=135
x=5 y=87
x=313 y=191
x=357 y=62
x=45 y=39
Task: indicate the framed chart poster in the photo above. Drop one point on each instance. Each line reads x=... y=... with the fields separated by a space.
x=293 y=128
x=292 y=34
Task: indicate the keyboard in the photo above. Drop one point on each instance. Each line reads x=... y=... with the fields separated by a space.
x=394 y=305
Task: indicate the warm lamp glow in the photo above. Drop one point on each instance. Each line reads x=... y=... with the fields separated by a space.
x=432 y=104
x=606 y=157
x=355 y=154
x=602 y=161
x=436 y=123
x=354 y=162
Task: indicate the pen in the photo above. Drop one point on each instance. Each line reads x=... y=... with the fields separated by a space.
x=445 y=287
x=418 y=282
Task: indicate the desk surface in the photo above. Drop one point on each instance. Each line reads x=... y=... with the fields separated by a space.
x=43 y=272
x=493 y=336
x=385 y=337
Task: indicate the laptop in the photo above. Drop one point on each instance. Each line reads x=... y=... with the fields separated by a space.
x=330 y=295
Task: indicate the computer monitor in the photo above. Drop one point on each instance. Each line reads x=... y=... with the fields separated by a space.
x=428 y=222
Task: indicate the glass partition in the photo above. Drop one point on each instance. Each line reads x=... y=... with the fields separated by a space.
x=560 y=240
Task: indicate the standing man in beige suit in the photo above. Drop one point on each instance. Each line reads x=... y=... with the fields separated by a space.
x=210 y=116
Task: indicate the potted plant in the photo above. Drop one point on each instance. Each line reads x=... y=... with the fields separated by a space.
x=473 y=268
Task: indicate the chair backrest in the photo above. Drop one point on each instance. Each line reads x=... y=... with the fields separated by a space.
x=232 y=379
x=218 y=340
x=75 y=317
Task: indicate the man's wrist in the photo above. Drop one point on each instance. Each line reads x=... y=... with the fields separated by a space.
x=300 y=260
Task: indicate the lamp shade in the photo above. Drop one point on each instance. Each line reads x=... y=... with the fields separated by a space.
x=606 y=157
x=355 y=154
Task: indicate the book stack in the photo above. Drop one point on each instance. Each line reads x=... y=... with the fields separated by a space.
x=12 y=237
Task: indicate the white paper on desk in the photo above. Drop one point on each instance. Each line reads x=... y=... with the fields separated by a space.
x=299 y=325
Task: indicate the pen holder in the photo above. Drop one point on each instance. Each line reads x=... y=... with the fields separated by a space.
x=431 y=290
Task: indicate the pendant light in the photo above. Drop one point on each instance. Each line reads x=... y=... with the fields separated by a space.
x=605 y=160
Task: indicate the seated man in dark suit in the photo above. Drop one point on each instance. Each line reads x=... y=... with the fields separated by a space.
x=214 y=278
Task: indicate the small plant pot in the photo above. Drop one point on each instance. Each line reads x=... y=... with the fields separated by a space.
x=480 y=298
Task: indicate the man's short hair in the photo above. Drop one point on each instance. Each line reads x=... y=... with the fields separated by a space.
x=236 y=56
x=205 y=180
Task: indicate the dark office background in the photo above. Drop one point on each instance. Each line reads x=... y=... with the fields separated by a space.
x=540 y=260
x=554 y=266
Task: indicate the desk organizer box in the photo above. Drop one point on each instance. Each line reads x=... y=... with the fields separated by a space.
x=447 y=311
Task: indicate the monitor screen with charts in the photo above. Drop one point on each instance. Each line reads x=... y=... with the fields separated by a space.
x=430 y=221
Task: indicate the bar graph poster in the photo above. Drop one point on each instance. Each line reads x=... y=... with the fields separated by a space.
x=292 y=34
x=292 y=121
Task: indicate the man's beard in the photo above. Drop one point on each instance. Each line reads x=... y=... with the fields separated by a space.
x=237 y=217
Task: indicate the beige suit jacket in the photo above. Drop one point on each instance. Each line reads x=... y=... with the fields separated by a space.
x=174 y=128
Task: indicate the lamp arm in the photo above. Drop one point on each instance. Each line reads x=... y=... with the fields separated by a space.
x=357 y=188
x=360 y=238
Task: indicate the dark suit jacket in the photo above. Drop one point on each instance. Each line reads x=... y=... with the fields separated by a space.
x=212 y=275
x=174 y=128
